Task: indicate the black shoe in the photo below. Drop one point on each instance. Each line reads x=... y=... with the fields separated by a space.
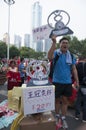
x=77 y=117
x=84 y=121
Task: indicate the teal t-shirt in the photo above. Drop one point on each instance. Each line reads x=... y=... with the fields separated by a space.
x=62 y=70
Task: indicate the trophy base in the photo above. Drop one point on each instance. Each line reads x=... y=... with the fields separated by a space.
x=61 y=32
x=40 y=82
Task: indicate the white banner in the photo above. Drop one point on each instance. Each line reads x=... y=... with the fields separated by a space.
x=38 y=99
x=41 y=33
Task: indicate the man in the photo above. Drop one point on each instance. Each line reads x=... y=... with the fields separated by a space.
x=22 y=70
x=62 y=76
x=80 y=105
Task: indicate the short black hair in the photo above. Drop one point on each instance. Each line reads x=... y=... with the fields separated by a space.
x=12 y=62
x=22 y=58
x=63 y=38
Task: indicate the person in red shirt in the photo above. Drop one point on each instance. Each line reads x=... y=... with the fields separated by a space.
x=13 y=76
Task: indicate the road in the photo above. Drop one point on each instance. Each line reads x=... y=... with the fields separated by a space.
x=72 y=123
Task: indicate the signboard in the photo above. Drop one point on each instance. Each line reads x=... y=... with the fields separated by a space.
x=38 y=99
x=41 y=33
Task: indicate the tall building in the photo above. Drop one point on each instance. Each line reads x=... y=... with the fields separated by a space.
x=17 y=41
x=47 y=44
x=5 y=37
x=36 y=15
x=27 y=40
x=37 y=22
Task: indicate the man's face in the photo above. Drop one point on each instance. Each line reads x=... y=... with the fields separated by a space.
x=64 y=45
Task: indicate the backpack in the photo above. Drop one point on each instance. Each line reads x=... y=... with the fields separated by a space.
x=52 y=65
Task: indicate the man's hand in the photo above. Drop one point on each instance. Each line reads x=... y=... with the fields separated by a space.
x=53 y=38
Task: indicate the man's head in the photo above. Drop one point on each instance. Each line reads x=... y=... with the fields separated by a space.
x=22 y=59
x=64 y=44
x=12 y=63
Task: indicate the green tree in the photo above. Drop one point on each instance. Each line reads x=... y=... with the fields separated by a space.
x=83 y=50
x=3 y=49
x=31 y=52
x=24 y=52
x=75 y=45
x=13 y=51
x=78 y=47
x=38 y=55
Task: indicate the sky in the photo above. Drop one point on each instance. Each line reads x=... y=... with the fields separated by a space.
x=20 y=16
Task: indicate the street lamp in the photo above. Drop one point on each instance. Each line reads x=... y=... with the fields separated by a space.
x=9 y=3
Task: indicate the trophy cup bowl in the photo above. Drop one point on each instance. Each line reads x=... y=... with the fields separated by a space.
x=38 y=71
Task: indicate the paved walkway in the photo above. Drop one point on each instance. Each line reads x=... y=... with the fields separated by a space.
x=72 y=123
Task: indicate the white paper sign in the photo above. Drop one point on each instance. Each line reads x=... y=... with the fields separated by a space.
x=41 y=33
x=38 y=99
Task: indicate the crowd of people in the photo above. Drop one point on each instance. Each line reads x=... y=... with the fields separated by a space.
x=65 y=68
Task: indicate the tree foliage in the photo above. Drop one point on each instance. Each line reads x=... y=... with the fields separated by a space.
x=13 y=51
x=30 y=53
x=3 y=49
x=78 y=47
x=83 y=50
x=24 y=52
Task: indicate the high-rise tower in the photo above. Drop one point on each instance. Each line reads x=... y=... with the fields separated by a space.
x=36 y=15
x=37 y=22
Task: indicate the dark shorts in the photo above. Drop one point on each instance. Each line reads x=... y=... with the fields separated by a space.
x=63 y=90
